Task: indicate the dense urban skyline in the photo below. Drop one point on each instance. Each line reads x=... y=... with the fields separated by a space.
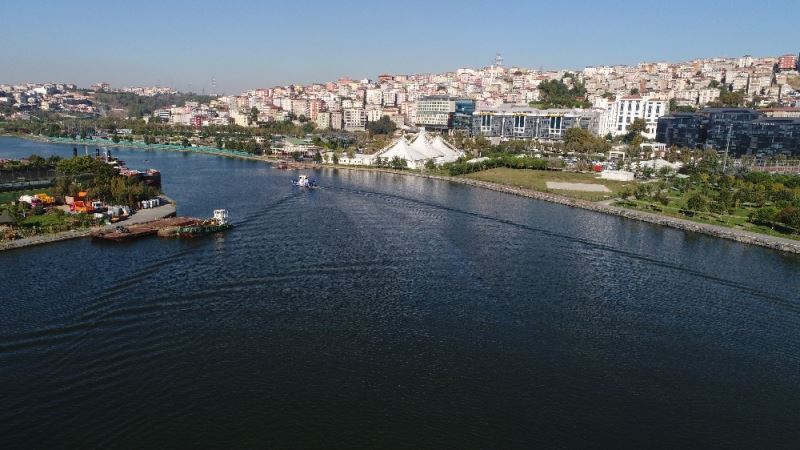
x=184 y=44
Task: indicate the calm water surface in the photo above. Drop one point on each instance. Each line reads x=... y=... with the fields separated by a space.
x=383 y=310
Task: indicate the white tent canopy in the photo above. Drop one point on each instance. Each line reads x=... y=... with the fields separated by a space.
x=421 y=150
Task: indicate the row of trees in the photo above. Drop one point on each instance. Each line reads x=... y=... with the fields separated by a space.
x=770 y=200
x=31 y=162
x=514 y=162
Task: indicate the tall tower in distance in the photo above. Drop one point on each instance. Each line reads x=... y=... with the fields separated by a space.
x=497 y=64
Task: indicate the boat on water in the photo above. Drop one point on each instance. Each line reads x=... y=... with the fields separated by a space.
x=215 y=224
x=304 y=181
x=122 y=232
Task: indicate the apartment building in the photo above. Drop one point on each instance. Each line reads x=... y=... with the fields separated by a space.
x=625 y=109
x=354 y=119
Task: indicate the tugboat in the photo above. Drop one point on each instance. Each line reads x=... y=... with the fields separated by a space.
x=304 y=181
x=218 y=223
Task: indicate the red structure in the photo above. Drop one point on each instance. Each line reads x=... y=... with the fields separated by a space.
x=787 y=62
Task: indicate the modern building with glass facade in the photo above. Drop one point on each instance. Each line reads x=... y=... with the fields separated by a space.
x=444 y=113
x=742 y=131
x=523 y=122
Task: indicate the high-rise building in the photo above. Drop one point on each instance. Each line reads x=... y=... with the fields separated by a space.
x=440 y=112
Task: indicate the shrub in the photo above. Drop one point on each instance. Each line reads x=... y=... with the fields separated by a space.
x=765 y=215
x=697 y=202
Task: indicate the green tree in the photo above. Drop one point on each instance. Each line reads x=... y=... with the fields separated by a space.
x=697 y=202
x=384 y=125
x=398 y=163
x=252 y=117
x=556 y=94
x=582 y=141
x=634 y=134
x=790 y=216
x=728 y=98
x=765 y=215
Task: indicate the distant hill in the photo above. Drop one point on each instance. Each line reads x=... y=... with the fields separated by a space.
x=140 y=106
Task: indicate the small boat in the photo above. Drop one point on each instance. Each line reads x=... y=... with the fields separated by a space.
x=282 y=165
x=304 y=181
x=216 y=224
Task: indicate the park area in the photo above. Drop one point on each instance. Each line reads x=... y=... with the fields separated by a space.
x=584 y=186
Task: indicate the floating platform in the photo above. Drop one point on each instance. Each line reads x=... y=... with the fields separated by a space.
x=124 y=233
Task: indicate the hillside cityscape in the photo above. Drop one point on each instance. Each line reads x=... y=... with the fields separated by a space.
x=691 y=104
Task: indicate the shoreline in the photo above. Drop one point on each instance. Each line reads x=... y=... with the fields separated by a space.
x=746 y=237
x=139 y=145
x=168 y=209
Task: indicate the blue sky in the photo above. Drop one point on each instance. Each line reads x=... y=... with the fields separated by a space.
x=250 y=44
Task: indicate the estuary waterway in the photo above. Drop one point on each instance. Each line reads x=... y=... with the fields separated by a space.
x=384 y=310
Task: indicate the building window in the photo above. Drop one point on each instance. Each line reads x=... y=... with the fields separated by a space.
x=486 y=123
x=519 y=124
x=555 y=126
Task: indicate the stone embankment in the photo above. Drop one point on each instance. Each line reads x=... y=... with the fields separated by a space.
x=143 y=215
x=746 y=237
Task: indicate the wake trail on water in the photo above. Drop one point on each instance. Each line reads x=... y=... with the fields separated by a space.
x=103 y=299
x=105 y=309
x=784 y=302
x=266 y=209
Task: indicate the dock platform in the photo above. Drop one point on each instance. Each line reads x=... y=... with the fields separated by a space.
x=123 y=232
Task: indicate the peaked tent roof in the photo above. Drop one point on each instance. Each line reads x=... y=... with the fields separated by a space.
x=421 y=149
x=422 y=145
x=401 y=149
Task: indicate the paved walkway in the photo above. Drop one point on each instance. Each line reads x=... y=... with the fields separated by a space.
x=584 y=187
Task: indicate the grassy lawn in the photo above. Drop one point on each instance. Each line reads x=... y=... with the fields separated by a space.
x=738 y=219
x=537 y=181
x=53 y=223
